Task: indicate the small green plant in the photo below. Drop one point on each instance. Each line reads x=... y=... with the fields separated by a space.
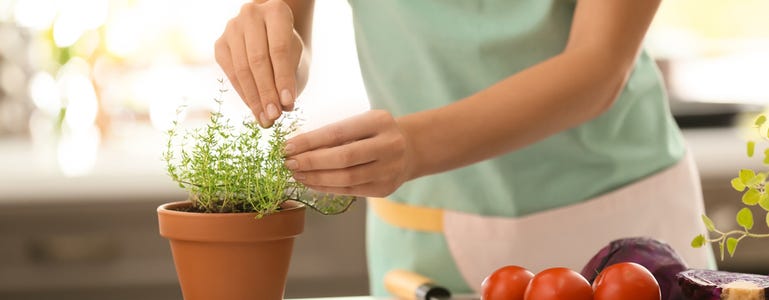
x=232 y=169
x=753 y=185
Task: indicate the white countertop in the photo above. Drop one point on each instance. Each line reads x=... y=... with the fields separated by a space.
x=373 y=298
x=462 y=297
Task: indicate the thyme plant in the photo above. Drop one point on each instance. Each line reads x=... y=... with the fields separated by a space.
x=231 y=169
x=753 y=185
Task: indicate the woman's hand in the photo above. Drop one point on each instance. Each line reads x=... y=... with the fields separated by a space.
x=259 y=52
x=365 y=155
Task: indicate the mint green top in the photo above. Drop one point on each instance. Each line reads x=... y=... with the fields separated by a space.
x=422 y=54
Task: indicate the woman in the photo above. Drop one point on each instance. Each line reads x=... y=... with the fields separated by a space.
x=527 y=132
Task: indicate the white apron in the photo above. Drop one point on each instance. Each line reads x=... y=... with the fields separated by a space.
x=666 y=206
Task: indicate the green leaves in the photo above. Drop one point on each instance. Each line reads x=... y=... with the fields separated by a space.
x=708 y=223
x=766 y=156
x=751 y=197
x=757 y=180
x=755 y=191
x=738 y=185
x=746 y=175
x=760 y=120
x=752 y=180
x=759 y=123
x=698 y=241
x=228 y=168
x=731 y=245
x=764 y=201
x=745 y=218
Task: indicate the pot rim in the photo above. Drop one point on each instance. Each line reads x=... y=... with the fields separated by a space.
x=229 y=227
x=168 y=208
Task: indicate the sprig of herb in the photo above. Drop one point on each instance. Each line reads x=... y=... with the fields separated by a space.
x=755 y=191
x=229 y=169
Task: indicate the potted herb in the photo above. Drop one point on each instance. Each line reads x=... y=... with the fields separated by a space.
x=753 y=185
x=232 y=239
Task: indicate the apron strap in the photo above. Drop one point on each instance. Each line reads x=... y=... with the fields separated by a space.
x=419 y=218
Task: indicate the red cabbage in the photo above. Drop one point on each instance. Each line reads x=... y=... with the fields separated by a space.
x=717 y=285
x=658 y=257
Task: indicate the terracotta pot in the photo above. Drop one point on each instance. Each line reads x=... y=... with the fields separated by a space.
x=231 y=256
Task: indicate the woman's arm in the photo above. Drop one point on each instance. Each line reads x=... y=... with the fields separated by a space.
x=372 y=154
x=560 y=93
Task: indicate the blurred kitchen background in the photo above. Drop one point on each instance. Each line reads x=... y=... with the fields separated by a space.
x=79 y=187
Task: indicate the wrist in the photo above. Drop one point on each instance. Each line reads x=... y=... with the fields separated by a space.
x=413 y=159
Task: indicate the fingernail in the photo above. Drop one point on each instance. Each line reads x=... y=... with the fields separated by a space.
x=272 y=111
x=288 y=149
x=285 y=97
x=292 y=164
x=299 y=176
x=263 y=120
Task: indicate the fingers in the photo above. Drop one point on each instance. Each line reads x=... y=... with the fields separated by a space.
x=353 y=164
x=366 y=155
x=355 y=128
x=259 y=53
x=261 y=67
x=345 y=156
x=242 y=70
x=285 y=52
x=352 y=176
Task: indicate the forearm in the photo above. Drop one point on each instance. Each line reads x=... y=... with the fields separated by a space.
x=555 y=95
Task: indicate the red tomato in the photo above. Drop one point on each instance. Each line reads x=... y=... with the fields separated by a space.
x=506 y=283
x=558 y=284
x=626 y=281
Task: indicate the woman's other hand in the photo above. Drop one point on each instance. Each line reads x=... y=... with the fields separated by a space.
x=365 y=155
x=260 y=52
